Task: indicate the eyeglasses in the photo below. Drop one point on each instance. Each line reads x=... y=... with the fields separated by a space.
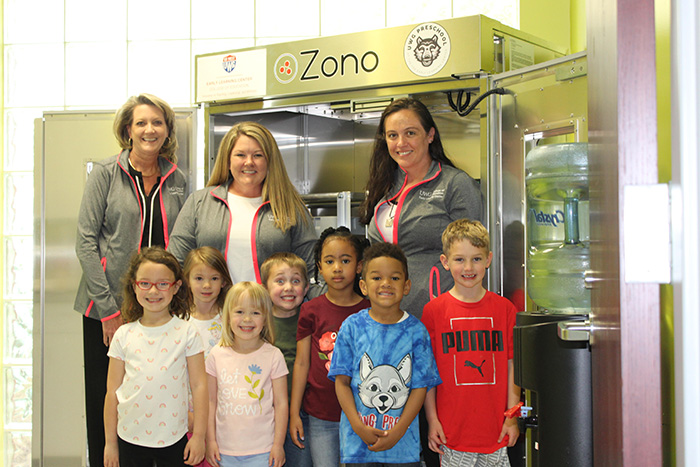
x=147 y=285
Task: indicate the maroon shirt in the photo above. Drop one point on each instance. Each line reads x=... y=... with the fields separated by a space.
x=321 y=319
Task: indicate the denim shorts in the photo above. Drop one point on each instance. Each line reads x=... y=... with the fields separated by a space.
x=254 y=460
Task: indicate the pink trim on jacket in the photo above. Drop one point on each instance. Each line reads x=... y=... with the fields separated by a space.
x=163 y=214
x=399 y=206
x=136 y=190
x=434 y=274
x=114 y=315
x=103 y=262
x=253 y=242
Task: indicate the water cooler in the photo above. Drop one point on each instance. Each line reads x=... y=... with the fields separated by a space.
x=552 y=352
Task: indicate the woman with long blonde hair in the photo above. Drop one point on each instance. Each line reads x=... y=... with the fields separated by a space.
x=249 y=209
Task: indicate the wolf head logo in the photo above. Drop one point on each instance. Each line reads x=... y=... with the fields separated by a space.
x=384 y=387
x=427 y=50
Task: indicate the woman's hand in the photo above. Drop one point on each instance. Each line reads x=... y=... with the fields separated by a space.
x=109 y=327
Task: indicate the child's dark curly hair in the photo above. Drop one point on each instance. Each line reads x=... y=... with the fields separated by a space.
x=131 y=308
x=381 y=250
x=357 y=242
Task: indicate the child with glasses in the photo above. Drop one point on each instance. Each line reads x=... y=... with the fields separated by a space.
x=151 y=360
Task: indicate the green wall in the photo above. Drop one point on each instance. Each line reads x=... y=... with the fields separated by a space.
x=559 y=21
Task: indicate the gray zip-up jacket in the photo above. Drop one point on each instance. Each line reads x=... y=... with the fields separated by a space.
x=110 y=227
x=206 y=220
x=422 y=214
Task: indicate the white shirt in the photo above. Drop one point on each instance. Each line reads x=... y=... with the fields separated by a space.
x=152 y=399
x=240 y=250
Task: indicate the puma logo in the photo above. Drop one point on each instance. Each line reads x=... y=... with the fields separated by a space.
x=473 y=365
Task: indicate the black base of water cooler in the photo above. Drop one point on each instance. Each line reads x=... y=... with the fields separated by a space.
x=558 y=373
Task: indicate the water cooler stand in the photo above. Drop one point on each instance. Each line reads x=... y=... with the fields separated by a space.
x=553 y=363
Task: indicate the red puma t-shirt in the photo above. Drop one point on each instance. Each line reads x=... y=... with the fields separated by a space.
x=472 y=343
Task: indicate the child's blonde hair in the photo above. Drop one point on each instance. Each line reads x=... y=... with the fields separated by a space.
x=131 y=308
x=465 y=229
x=213 y=258
x=287 y=258
x=260 y=299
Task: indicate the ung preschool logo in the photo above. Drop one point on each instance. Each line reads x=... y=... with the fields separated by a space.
x=427 y=49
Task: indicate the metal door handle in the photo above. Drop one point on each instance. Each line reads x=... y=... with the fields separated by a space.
x=574 y=330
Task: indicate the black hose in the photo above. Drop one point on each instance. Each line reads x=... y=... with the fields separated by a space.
x=462 y=112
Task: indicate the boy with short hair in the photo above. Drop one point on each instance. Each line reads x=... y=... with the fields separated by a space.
x=471 y=330
x=382 y=366
x=285 y=277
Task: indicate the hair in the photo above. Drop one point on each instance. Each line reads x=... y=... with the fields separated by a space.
x=465 y=229
x=287 y=206
x=131 y=308
x=283 y=257
x=261 y=300
x=381 y=250
x=125 y=117
x=382 y=166
x=208 y=256
x=342 y=232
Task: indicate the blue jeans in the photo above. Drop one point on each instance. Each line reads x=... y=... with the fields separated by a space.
x=254 y=460
x=297 y=457
x=323 y=439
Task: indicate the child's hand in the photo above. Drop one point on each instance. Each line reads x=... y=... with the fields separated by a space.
x=369 y=435
x=277 y=458
x=111 y=456
x=510 y=428
x=213 y=455
x=296 y=430
x=194 y=450
x=388 y=441
x=436 y=437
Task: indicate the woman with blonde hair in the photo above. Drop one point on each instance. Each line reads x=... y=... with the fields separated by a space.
x=249 y=209
x=130 y=202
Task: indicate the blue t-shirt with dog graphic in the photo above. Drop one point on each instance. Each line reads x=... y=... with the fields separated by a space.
x=384 y=361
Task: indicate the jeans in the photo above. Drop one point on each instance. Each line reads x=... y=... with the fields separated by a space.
x=323 y=439
x=254 y=460
x=297 y=457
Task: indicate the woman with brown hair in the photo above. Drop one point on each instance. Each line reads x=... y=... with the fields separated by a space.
x=414 y=191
